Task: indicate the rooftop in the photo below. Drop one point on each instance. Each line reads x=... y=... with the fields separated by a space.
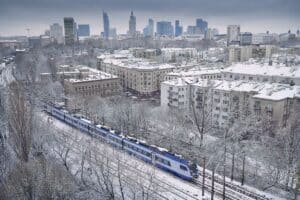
x=127 y=60
x=278 y=70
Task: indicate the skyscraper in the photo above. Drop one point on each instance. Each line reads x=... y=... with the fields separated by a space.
x=203 y=25
x=164 y=28
x=178 y=29
x=56 y=33
x=233 y=33
x=113 y=33
x=83 y=30
x=245 y=39
x=132 y=25
x=70 y=30
x=149 y=29
x=105 y=25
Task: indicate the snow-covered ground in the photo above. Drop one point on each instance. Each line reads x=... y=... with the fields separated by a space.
x=168 y=186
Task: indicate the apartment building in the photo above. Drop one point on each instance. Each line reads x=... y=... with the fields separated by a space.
x=176 y=54
x=205 y=73
x=176 y=93
x=275 y=73
x=228 y=101
x=84 y=81
x=138 y=75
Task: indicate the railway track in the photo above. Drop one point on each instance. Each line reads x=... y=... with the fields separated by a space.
x=167 y=187
x=237 y=188
x=233 y=191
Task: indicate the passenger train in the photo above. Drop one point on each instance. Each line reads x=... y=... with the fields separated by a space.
x=156 y=156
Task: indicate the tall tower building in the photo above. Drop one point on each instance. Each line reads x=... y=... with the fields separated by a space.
x=202 y=25
x=106 y=27
x=164 y=28
x=132 y=25
x=233 y=33
x=151 y=27
x=70 y=30
x=178 y=29
x=56 y=33
x=83 y=30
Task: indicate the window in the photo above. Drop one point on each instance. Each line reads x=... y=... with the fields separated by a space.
x=224 y=117
x=183 y=168
x=216 y=116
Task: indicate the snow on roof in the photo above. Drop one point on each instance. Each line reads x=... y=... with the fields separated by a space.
x=127 y=60
x=88 y=74
x=277 y=92
x=193 y=73
x=180 y=81
x=268 y=91
x=264 y=70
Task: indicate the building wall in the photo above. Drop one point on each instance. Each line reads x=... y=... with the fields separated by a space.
x=224 y=106
x=143 y=81
x=176 y=96
x=106 y=87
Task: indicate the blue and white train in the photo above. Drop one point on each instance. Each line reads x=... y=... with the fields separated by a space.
x=159 y=157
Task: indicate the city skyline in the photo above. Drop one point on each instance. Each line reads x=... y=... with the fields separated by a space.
x=255 y=16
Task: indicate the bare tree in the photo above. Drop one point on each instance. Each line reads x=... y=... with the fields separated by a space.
x=20 y=122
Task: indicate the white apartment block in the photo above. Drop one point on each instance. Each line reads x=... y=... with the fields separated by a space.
x=84 y=81
x=228 y=101
x=263 y=38
x=233 y=33
x=176 y=93
x=136 y=74
x=174 y=54
x=239 y=53
x=205 y=73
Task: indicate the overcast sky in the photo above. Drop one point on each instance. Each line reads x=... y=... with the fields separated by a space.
x=252 y=15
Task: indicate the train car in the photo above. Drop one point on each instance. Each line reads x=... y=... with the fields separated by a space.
x=174 y=164
x=134 y=147
x=115 y=140
x=161 y=158
x=71 y=120
x=84 y=124
x=157 y=156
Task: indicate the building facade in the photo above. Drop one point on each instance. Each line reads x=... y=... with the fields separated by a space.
x=132 y=25
x=70 y=30
x=226 y=102
x=164 y=28
x=203 y=25
x=136 y=74
x=106 y=26
x=83 y=30
x=233 y=33
x=178 y=29
x=56 y=33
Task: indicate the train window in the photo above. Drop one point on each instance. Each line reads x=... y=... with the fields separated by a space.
x=148 y=154
x=167 y=163
x=183 y=168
